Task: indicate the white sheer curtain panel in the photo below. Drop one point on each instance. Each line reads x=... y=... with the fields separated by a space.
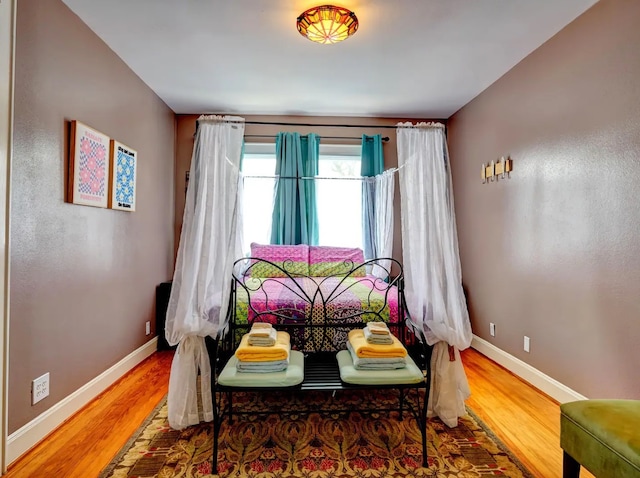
x=381 y=189
x=209 y=243
x=433 y=277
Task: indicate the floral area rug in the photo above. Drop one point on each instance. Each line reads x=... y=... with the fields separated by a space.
x=314 y=445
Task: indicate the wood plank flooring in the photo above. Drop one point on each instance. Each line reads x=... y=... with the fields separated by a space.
x=522 y=417
x=525 y=419
x=83 y=445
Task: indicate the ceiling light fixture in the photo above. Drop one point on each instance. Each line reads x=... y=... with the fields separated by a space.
x=327 y=24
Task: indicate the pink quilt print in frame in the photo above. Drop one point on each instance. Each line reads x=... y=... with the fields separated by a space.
x=122 y=184
x=88 y=166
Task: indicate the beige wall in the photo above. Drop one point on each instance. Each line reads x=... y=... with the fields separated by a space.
x=82 y=278
x=554 y=252
x=186 y=128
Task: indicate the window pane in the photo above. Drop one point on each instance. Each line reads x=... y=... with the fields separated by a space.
x=339 y=201
x=258 y=197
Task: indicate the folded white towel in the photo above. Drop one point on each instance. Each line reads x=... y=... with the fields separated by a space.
x=263 y=340
x=374 y=338
x=261 y=329
x=379 y=328
x=262 y=367
x=391 y=363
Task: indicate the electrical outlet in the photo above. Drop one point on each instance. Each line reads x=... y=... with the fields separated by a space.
x=492 y=329
x=527 y=343
x=147 y=328
x=39 y=388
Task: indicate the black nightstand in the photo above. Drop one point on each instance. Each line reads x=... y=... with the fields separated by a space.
x=163 y=292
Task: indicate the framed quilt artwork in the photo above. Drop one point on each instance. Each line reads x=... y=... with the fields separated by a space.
x=122 y=187
x=88 y=166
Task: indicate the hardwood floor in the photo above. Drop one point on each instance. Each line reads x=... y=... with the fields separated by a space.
x=83 y=445
x=526 y=420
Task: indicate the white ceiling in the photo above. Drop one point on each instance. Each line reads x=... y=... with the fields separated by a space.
x=409 y=58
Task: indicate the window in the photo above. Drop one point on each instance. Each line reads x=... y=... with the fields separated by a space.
x=259 y=164
x=339 y=200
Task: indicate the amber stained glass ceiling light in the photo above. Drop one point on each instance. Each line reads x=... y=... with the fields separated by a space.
x=327 y=24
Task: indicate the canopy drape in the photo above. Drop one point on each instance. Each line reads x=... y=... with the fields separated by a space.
x=295 y=213
x=209 y=243
x=371 y=164
x=379 y=193
x=433 y=278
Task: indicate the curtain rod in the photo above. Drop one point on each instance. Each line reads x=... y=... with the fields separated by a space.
x=386 y=138
x=313 y=178
x=422 y=124
x=324 y=125
x=349 y=178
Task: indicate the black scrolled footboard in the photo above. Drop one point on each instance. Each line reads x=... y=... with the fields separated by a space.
x=318 y=313
x=339 y=302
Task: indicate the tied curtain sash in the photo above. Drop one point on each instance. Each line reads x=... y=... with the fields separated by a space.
x=295 y=214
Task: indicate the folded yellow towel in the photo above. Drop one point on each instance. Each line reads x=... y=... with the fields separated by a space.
x=254 y=353
x=366 y=349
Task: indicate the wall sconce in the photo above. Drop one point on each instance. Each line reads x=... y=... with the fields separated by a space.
x=488 y=172
x=496 y=169
x=500 y=168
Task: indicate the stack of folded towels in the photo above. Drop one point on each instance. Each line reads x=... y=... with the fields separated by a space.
x=263 y=349
x=375 y=348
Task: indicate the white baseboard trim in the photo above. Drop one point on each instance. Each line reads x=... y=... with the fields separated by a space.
x=535 y=377
x=30 y=434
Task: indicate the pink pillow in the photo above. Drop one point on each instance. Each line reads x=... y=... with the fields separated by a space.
x=330 y=261
x=293 y=259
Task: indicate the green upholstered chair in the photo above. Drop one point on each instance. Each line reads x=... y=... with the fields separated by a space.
x=601 y=435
